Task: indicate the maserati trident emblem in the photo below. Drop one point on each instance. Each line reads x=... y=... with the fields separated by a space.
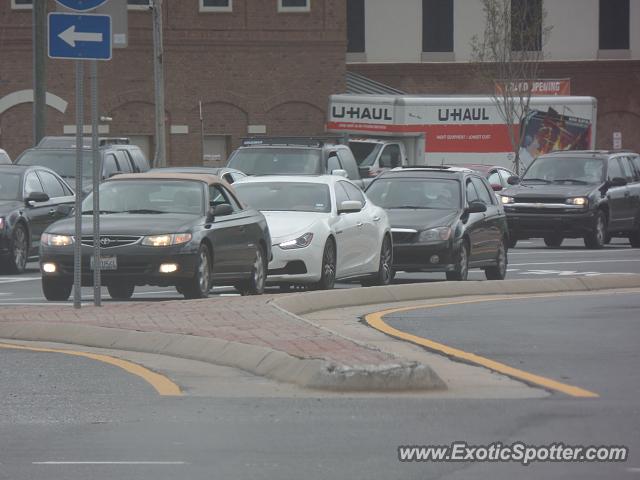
x=105 y=242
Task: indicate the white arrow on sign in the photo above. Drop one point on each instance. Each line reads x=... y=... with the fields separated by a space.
x=70 y=36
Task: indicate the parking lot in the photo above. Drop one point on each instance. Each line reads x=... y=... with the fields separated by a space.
x=530 y=259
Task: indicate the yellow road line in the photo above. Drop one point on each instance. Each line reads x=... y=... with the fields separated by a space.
x=162 y=384
x=376 y=320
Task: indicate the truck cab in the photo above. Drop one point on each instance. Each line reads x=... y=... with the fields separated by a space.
x=375 y=155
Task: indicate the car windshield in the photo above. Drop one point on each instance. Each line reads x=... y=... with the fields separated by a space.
x=285 y=196
x=364 y=152
x=10 y=186
x=416 y=193
x=565 y=169
x=63 y=162
x=275 y=161
x=148 y=197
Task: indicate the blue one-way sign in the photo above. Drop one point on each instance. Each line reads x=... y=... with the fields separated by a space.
x=81 y=5
x=79 y=37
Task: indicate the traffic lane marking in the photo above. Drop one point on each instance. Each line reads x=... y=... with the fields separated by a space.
x=544 y=251
x=571 y=263
x=162 y=384
x=376 y=320
x=117 y=462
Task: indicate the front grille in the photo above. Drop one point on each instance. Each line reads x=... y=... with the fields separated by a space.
x=542 y=211
x=295 y=267
x=539 y=200
x=111 y=241
x=403 y=237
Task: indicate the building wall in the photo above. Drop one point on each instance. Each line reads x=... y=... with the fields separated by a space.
x=253 y=66
x=394 y=29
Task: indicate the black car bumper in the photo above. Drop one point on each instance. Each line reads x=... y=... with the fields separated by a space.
x=526 y=225
x=135 y=264
x=437 y=257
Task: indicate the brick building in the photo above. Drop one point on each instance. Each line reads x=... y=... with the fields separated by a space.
x=263 y=66
x=268 y=66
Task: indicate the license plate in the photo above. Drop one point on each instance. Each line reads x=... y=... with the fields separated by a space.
x=106 y=263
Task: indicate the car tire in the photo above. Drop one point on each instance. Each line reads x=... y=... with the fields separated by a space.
x=198 y=286
x=553 y=240
x=384 y=275
x=513 y=241
x=595 y=238
x=328 y=268
x=607 y=239
x=121 y=291
x=462 y=264
x=255 y=285
x=56 y=289
x=499 y=271
x=19 y=252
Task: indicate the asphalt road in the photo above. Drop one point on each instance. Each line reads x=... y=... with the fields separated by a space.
x=530 y=259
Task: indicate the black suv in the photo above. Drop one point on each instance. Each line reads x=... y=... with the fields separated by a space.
x=295 y=156
x=59 y=154
x=590 y=194
x=443 y=219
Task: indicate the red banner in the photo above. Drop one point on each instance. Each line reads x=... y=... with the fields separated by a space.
x=539 y=88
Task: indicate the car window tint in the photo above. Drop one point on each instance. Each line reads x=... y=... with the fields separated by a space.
x=110 y=166
x=218 y=195
x=232 y=200
x=32 y=184
x=333 y=164
x=139 y=160
x=472 y=195
x=124 y=162
x=353 y=192
x=636 y=163
x=52 y=186
x=390 y=156
x=627 y=168
x=341 y=194
x=615 y=170
x=349 y=164
x=483 y=192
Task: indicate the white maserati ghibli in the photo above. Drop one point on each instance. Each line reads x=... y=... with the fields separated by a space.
x=323 y=229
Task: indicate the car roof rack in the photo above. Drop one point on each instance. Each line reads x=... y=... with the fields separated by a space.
x=294 y=141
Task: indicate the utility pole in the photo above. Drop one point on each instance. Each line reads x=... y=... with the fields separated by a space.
x=39 y=15
x=160 y=159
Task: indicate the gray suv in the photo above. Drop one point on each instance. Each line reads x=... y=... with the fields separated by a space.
x=295 y=156
x=59 y=154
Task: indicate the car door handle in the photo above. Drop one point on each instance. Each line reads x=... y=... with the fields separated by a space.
x=52 y=211
x=376 y=219
x=360 y=224
x=627 y=194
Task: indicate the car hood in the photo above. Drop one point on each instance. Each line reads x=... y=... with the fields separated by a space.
x=129 y=224
x=9 y=205
x=420 y=219
x=287 y=224
x=548 y=190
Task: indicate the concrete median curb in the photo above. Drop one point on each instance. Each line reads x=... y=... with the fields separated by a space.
x=263 y=361
x=302 y=304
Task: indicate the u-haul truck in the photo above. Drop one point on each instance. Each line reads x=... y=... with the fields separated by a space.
x=464 y=129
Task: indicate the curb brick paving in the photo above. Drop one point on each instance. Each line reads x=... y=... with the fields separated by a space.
x=248 y=320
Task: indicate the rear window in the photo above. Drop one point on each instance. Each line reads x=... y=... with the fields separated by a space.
x=273 y=161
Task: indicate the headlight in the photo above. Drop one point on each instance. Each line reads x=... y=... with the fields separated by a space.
x=506 y=200
x=166 y=240
x=581 y=201
x=300 y=242
x=1 y=223
x=435 y=234
x=52 y=240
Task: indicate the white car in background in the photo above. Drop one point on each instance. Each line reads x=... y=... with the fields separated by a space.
x=323 y=229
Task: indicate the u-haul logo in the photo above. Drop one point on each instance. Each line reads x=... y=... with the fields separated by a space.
x=361 y=113
x=462 y=114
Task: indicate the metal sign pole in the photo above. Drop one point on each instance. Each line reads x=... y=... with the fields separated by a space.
x=97 y=173
x=77 y=251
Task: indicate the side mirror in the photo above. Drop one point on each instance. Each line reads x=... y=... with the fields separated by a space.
x=222 y=210
x=496 y=187
x=476 y=207
x=350 y=206
x=617 y=182
x=340 y=173
x=513 y=180
x=37 y=197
